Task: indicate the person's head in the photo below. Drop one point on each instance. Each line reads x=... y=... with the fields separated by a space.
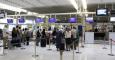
x=14 y=29
x=74 y=27
x=43 y=29
x=19 y=27
x=55 y=29
x=37 y=27
x=67 y=29
x=25 y=29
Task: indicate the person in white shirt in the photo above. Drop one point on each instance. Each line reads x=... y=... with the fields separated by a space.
x=74 y=36
x=68 y=39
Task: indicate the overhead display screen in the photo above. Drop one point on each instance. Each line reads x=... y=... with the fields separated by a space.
x=52 y=20
x=112 y=19
x=89 y=19
x=102 y=12
x=39 y=20
x=9 y=20
x=72 y=20
x=21 y=20
x=2 y=15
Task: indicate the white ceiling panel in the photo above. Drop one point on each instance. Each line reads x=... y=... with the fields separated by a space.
x=46 y=3
x=9 y=3
x=15 y=3
x=35 y=3
x=100 y=1
x=62 y=2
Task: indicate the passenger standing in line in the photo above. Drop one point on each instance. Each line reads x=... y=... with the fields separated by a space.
x=68 y=39
x=14 y=37
x=43 y=38
x=54 y=36
x=20 y=33
x=62 y=45
x=1 y=34
x=23 y=36
x=19 y=36
x=77 y=38
x=27 y=33
x=59 y=37
x=38 y=36
x=73 y=37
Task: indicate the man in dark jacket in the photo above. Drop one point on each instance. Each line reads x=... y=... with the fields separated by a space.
x=59 y=37
x=38 y=35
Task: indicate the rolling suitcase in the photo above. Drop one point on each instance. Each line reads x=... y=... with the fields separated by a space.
x=43 y=42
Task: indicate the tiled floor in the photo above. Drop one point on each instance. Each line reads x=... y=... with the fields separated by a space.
x=89 y=52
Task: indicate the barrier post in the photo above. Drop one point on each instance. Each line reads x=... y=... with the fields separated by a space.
x=61 y=54
x=104 y=47
x=35 y=55
x=22 y=43
x=73 y=50
x=2 y=53
x=78 y=49
x=111 y=53
x=49 y=45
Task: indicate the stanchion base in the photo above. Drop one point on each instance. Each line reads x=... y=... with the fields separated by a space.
x=23 y=48
x=35 y=55
x=104 y=48
x=3 y=54
x=78 y=52
x=82 y=46
x=111 y=54
x=49 y=49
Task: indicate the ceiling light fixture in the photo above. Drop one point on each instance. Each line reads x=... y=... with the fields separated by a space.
x=84 y=3
x=74 y=4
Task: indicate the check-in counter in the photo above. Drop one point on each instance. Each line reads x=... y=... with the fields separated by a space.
x=89 y=37
x=112 y=35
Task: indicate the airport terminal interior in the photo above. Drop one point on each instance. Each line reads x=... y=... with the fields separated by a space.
x=57 y=29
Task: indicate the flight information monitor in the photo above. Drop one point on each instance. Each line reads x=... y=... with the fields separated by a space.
x=102 y=12
x=9 y=20
x=89 y=19
x=52 y=20
x=39 y=20
x=112 y=19
x=72 y=20
x=21 y=20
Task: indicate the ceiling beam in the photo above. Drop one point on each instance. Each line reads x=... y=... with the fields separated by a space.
x=54 y=14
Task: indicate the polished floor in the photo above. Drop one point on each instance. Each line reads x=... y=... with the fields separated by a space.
x=89 y=52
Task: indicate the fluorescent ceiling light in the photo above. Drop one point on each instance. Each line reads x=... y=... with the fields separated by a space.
x=84 y=3
x=74 y=4
x=31 y=13
x=8 y=7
